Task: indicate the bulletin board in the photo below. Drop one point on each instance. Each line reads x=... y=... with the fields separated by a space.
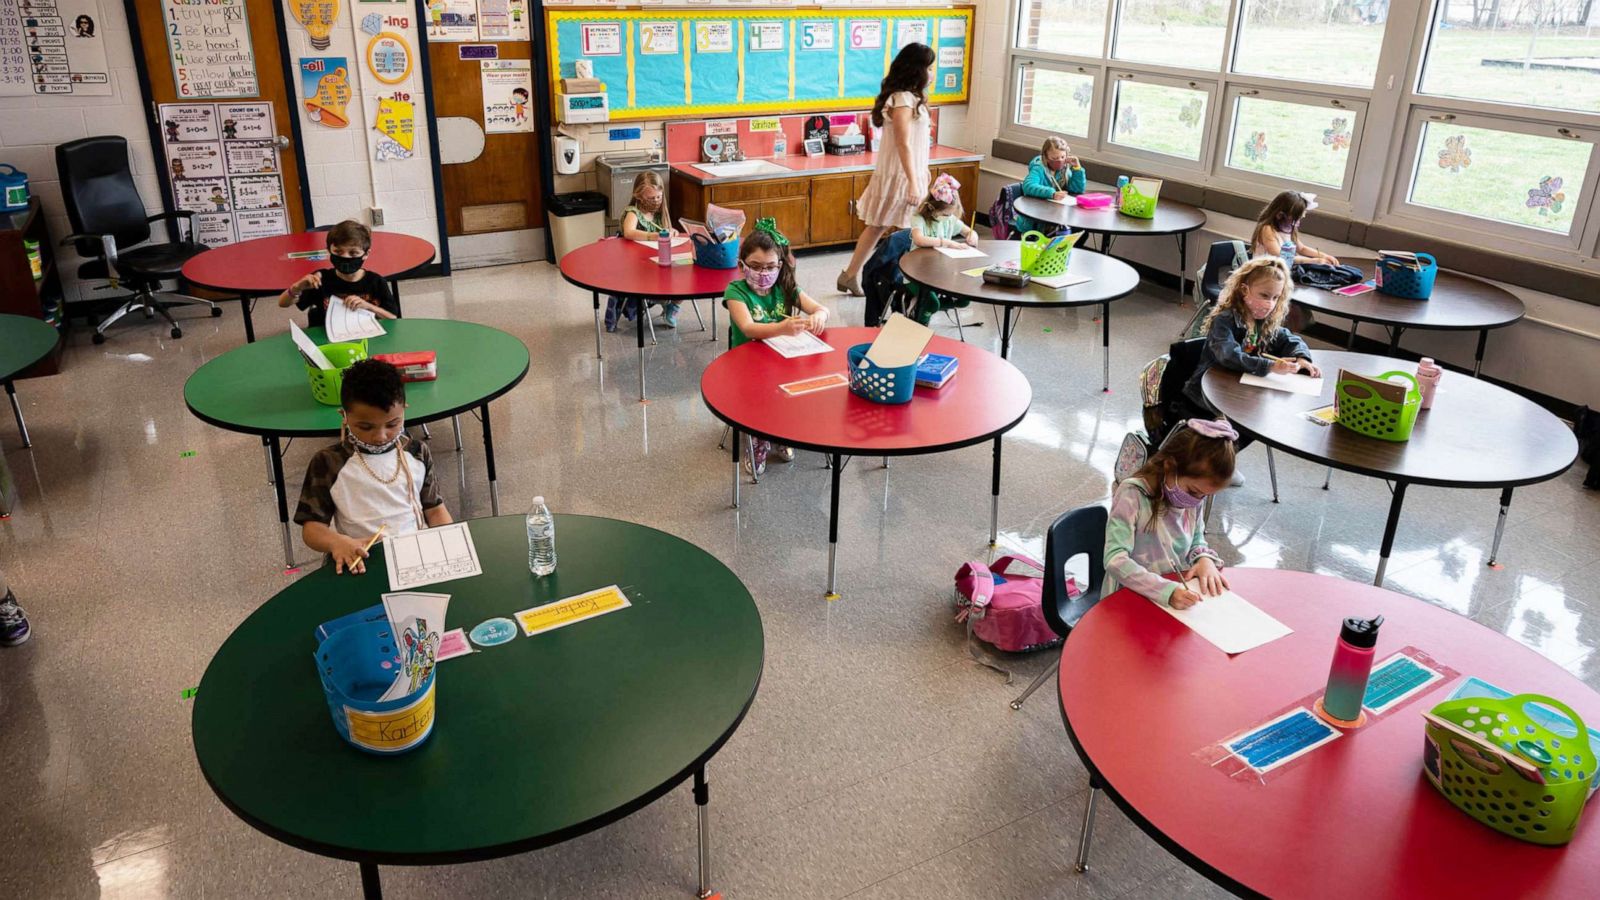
x=680 y=63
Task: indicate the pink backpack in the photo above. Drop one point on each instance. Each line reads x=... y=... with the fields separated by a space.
x=1001 y=607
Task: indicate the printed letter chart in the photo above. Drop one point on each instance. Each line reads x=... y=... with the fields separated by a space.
x=426 y=557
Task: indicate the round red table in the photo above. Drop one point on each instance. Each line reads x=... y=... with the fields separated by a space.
x=629 y=271
x=987 y=397
x=1141 y=693
x=263 y=268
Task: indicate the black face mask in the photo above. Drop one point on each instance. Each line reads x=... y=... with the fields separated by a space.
x=347 y=265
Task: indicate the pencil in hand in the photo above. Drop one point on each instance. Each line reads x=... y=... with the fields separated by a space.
x=375 y=537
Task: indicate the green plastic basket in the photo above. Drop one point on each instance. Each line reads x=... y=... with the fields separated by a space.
x=1483 y=787
x=1035 y=260
x=1364 y=412
x=1136 y=204
x=325 y=383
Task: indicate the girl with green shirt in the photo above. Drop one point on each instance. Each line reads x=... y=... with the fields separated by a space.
x=644 y=220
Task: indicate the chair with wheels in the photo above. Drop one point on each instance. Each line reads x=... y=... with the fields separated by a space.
x=1082 y=530
x=111 y=228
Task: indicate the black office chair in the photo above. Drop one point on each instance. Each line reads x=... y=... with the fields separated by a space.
x=111 y=227
x=1082 y=530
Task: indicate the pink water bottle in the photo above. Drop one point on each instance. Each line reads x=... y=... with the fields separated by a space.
x=663 y=248
x=1352 y=665
x=1428 y=380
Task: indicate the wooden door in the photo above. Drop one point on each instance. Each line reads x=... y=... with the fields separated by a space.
x=498 y=191
x=158 y=46
x=833 y=204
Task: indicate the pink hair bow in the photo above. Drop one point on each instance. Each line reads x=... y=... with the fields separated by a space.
x=945 y=188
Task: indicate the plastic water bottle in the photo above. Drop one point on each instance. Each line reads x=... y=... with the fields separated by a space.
x=541 y=539
x=1287 y=251
x=1352 y=666
x=1122 y=182
x=1428 y=375
x=663 y=248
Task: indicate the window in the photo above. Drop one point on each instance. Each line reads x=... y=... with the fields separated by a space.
x=1073 y=27
x=1054 y=101
x=1294 y=141
x=1159 y=117
x=1155 y=30
x=1513 y=177
x=1534 y=53
x=1330 y=41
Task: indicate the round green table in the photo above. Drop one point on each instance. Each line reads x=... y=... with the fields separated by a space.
x=536 y=741
x=24 y=341
x=262 y=389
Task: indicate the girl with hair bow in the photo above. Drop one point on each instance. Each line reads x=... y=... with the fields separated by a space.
x=937 y=222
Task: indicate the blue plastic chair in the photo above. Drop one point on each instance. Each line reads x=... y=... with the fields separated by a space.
x=1082 y=530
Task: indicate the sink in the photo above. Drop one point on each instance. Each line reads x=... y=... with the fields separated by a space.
x=743 y=167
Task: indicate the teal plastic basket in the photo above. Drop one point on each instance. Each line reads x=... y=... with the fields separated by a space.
x=1405 y=282
x=709 y=254
x=879 y=385
x=357 y=664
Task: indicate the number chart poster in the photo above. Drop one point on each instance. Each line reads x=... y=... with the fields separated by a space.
x=699 y=63
x=222 y=163
x=52 y=47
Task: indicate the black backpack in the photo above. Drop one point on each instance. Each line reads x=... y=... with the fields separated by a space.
x=1322 y=275
x=1587 y=427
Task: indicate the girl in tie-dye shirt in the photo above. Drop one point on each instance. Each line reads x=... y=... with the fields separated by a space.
x=1155 y=527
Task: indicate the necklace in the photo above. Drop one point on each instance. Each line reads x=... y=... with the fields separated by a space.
x=399 y=466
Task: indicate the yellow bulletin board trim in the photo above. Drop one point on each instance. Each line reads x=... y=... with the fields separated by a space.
x=739 y=18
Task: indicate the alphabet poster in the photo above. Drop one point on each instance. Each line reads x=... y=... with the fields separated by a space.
x=507 y=95
x=52 y=47
x=222 y=163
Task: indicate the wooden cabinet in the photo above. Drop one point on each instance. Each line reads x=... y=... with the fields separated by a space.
x=862 y=179
x=833 y=209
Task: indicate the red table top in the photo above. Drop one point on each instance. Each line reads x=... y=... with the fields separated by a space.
x=1141 y=693
x=620 y=266
x=262 y=266
x=987 y=397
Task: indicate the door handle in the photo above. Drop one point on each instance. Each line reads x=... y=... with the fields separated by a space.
x=283 y=142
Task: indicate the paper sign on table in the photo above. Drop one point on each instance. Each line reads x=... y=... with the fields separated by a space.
x=810 y=385
x=1064 y=280
x=309 y=349
x=1230 y=622
x=573 y=609
x=1294 y=383
x=791 y=346
x=900 y=343
x=424 y=557
x=346 y=324
x=962 y=252
x=453 y=643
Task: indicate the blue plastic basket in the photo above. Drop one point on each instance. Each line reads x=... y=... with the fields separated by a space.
x=1405 y=282
x=711 y=255
x=357 y=664
x=870 y=382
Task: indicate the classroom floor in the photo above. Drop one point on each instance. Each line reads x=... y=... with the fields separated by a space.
x=878 y=760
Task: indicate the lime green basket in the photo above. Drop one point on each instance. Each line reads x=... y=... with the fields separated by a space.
x=325 y=383
x=1036 y=260
x=1136 y=204
x=1485 y=788
x=1364 y=412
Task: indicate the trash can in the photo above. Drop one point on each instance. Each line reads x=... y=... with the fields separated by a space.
x=576 y=219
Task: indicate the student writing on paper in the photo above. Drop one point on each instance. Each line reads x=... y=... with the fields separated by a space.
x=937 y=222
x=644 y=220
x=373 y=478
x=768 y=303
x=1245 y=333
x=1155 y=524
x=349 y=242
x=1054 y=174
x=1279 y=227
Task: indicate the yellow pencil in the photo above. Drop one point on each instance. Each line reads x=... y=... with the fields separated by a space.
x=374 y=539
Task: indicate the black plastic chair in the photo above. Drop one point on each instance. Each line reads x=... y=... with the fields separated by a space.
x=1221 y=260
x=1082 y=530
x=111 y=227
x=1182 y=359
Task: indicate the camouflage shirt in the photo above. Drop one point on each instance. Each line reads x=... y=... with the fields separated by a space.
x=354 y=499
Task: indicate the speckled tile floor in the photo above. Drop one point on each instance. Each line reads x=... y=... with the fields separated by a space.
x=877 y=762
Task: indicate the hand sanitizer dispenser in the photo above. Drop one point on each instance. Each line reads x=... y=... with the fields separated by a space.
x=568 y=154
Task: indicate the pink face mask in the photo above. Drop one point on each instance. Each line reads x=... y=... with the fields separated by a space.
x=1259 y=309
x=760 y=280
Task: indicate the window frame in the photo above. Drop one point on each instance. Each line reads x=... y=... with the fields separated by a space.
x=1229 y=176
x=1118 y=76
x=1036 y=135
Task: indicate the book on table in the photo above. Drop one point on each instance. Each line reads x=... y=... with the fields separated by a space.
x=935 y=370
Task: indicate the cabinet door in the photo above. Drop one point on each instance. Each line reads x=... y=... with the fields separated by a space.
x=833 y=206
x=752 y=212
x=862 y=179
x=792 y=216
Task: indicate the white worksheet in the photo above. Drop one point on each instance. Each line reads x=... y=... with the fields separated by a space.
x=678 y=240
x=962 y=252
x=308 y=348
x=1229 y=621
x=1068 y=200
x=346 y=324
x=791 y=346
x=1294 y=383
x=1064 y=280
x=430 y=556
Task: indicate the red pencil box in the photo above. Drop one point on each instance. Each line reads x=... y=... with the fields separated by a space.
x=414 y=365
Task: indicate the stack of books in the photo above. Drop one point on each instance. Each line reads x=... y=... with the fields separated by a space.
x=935 y=370
x=1401 y=258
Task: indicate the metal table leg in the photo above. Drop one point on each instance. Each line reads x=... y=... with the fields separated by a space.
x=488 y=456
x=246 y=305
x=735 y=434
x=1500 y=526
x=1005 y=332
x=275 y=454
x=1394 y=339
x=455 y=425
x=1105 y=345
x=1272 y=473
x=833 y=526
x=371 y=888
x=1183 y=268
x=1477 y=359
x=1389 y=529
x=16 y=409
x=596 y=296
x=1086 y=834
x=644 y=313
x=994 y=499
x=1350 y=342
x=266 y=449
x=702 y=805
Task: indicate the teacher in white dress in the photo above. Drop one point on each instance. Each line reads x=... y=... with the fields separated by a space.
x=900 y=178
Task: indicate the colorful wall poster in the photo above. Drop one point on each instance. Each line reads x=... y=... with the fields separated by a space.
x=767 y=35
x=189 y=122
x=395 y=123
x=325 y=89
x=256 y=192
x=713 y=37
x=255 y=223
x=222 y=159
x=209 y=46
x=202 y=194
x=202 y=159
x=504 y=20
x=246 y=121
x=317 y=17
x=250 y=157
x=602 y=38
x=213 y=229
x=659 y=38
x=507 y=95
x=911 y=31
x=816 y=35
x=52 y=47
x=389 y=57
x=866 y=34
x=452 y=20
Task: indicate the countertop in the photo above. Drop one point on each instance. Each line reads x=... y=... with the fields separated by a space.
x=826 y=164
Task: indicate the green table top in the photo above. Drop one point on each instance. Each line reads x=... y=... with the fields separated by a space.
x=536 y=741
x=24 y=341
x=262 y=388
